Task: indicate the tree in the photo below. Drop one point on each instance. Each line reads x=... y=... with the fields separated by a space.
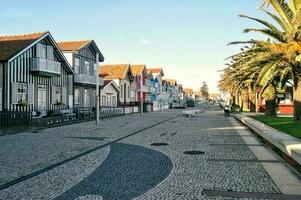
x=280 y=57
x=204 y=90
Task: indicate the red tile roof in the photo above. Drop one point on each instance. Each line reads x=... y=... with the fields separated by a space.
x=11 y=45
x=171 y=81
x=137 y=69
x=118 y=71
x=106 y=82
x=154 y=70
x=72 y=45
x=188 y=91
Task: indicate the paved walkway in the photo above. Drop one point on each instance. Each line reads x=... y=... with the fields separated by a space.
x=133 y=157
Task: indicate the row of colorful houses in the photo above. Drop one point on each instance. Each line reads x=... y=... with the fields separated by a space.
x=39 y=74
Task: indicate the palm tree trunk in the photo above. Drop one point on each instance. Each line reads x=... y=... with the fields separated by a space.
x=245 y=99
x=270 y=101
x=297 y=100
x=252 y=100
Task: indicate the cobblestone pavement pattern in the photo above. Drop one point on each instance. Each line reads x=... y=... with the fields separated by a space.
x=122 y=163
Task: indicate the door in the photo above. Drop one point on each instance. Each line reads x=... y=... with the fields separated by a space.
x=87 y=98
x=109 y=100
x=124 y=93
x=42 y=98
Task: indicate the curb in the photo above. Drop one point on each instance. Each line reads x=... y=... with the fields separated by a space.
x=288 y=145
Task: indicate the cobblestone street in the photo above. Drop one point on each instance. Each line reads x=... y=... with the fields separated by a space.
x=161 y=155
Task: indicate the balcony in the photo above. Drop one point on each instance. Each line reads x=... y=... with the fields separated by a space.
x=87 y=79
x=45 y=67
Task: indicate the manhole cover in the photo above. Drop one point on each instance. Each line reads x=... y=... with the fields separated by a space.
x=159 y=144
x=193 y=152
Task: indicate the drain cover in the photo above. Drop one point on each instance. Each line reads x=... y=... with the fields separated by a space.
x=159 y=144
x=193 y=152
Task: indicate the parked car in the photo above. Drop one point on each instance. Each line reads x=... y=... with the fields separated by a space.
x=190 y=103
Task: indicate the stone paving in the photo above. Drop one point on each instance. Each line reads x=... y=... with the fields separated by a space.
x=117 y=161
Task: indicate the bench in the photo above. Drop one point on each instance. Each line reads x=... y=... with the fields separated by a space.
x=191 y=113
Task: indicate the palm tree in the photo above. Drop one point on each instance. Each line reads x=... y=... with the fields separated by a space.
x=283 y=49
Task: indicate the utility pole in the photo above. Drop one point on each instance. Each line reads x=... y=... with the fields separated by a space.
x=97 y=89
x=141 y=95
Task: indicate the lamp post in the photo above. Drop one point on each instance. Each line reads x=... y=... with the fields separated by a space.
x=141 y=95
x=97 y=90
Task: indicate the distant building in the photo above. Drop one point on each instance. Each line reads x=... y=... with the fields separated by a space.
x=122 y=75
x=139 y=74
x=109 y=94
x=188 y=92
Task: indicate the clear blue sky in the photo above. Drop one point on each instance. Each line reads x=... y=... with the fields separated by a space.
x=188 y=38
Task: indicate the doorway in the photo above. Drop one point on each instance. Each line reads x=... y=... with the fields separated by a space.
x=124 y=93
x=42 y=97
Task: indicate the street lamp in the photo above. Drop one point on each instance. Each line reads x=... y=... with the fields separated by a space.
x=97 y=89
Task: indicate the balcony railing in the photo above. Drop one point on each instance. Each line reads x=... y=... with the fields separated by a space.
x=87 y=79
x=47 y=67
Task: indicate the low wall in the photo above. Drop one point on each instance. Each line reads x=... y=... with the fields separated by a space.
x=289 y=145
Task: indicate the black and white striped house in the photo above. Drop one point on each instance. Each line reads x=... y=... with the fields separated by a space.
x=34 y=74
x=82 y=56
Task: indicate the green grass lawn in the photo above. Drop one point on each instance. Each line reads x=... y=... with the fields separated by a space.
x=284 y=124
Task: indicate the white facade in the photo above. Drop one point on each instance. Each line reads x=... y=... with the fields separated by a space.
x=125 y=90
x=109 y=95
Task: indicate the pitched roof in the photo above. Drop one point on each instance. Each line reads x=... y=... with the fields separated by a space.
x=171 y=81
x=114 y=71
x=110 y=82
x=155 y=70
x=72 y=45
x=198 y=93
x=137 y=69
x=188 y=91
x=11 y=45
x=106 y=82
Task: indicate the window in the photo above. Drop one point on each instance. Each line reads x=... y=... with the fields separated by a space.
x=121 y=91
x=43 y=51
x=87 y=67
x=76 y=65
x=76 y=96
x=22 y=92
x=87 y=98
x=103 y=100
x=95 y=70
x=56 y=94
x=50 y=55
x=114 y=101
x=109 y=100
x=128 y=91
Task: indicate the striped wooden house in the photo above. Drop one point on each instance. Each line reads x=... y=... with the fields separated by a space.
x=34 y=74
x=82 y=57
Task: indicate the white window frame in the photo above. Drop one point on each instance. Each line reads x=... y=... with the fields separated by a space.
x=121 y=91
x=109 y=100
x=76 y=96
x=87 y=98
x=95 y=69
x=76 y=65
x=43 y=51
x=129 y=92
x=87 y=67
x=103 y=100
x=22 y=92
x=114 y=100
